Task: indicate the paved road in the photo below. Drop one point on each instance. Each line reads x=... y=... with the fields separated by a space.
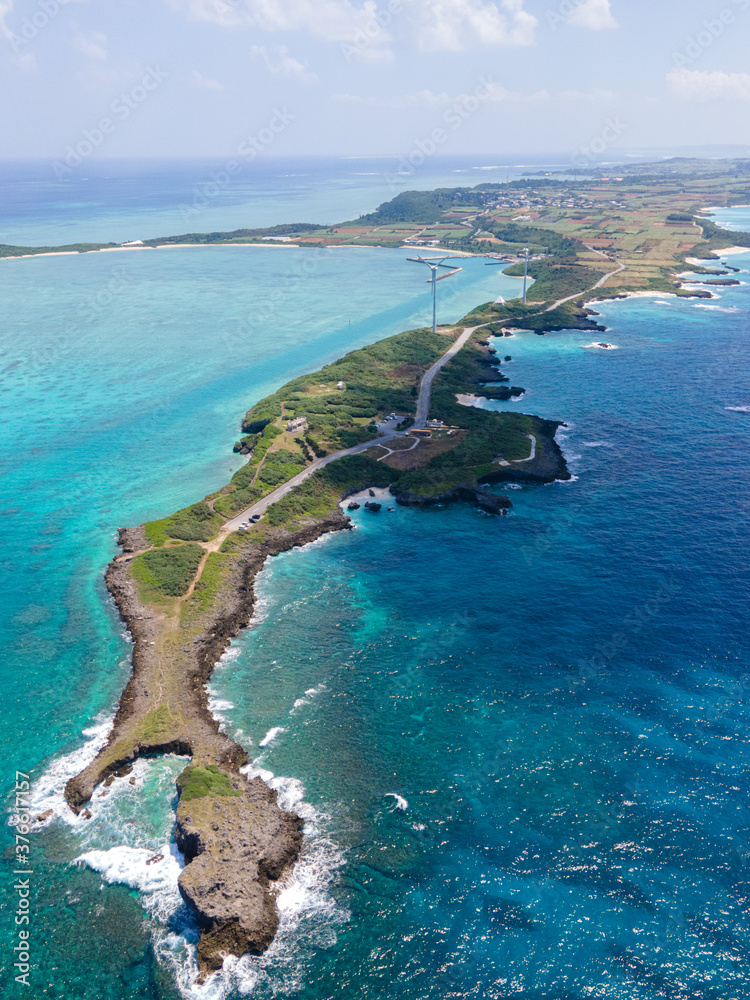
x=281 y=491
x=423 y=409
x=425 y=389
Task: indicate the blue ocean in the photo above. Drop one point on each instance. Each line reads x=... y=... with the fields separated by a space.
x=519 y=744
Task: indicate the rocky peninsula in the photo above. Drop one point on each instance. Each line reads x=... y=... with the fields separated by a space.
x=184 y=585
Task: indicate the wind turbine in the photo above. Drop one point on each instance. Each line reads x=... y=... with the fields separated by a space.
x=434 y=263
x=496 y=261
x=525 y=273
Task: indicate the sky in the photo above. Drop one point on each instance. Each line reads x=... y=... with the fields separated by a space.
x=250 y=78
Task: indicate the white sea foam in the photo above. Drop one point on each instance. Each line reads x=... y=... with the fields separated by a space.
x=217 y=704
x=561 y=436
x=309 y=915
x=153 y=873
x=47 y=792
x=218 y=707
x=309 y=695
x=721 y=309
x=271 y=736
x=597 y=444
x=738 y=409
x=401 y=802
x=230 y=654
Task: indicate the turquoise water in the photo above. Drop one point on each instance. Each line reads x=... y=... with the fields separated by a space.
x=125 y=376
x=114 y=200
x=519 y=744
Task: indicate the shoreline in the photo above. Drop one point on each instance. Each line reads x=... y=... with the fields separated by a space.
x=265 y=840
x=165 y=705
x=242 y=823
x=161 y=246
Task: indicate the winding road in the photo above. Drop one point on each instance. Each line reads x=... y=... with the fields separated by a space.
x=423 y=409
x=604 y=278
x=422 y=413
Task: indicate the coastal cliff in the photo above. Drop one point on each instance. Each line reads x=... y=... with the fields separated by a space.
x=184 y=587
x=236 y=840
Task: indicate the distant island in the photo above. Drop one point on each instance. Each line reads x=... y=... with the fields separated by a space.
x=396 y=416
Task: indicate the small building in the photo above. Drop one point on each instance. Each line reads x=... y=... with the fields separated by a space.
x=437 y=425
x=297 y=424
x=341 y=385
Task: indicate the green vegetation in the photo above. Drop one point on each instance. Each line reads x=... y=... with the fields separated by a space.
x=157 y=724
x=197 y=523
x=719 y=238
x=280 y=466
x=555 y=281
x=377 y=380
x=198 y=782
x=235 y=236
x=167 y=571
x=421 y=206
x=319 y=495
x=10 y=251
x=213 y=578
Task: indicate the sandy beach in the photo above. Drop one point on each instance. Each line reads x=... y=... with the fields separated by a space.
x=135 y=246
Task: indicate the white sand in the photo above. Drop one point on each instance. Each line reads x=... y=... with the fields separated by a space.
x=55 y=253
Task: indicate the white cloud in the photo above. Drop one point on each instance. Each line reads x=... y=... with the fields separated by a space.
x=422 y=99
x=202 y=82
x=23 y=61
x=6 y=6
x=285 y=65
x=454 y=25
x=593 y=14
x=432 y=25
x=92 y=44
x=594 y=96
x=332 y=20
x=692 y=85
x=491 y=94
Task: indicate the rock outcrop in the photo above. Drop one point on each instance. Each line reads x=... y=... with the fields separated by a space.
x=236 y=845
x=236 y=839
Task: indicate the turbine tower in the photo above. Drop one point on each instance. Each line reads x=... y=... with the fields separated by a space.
x=434 y=263
x=526 y=260
x=525 y=273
